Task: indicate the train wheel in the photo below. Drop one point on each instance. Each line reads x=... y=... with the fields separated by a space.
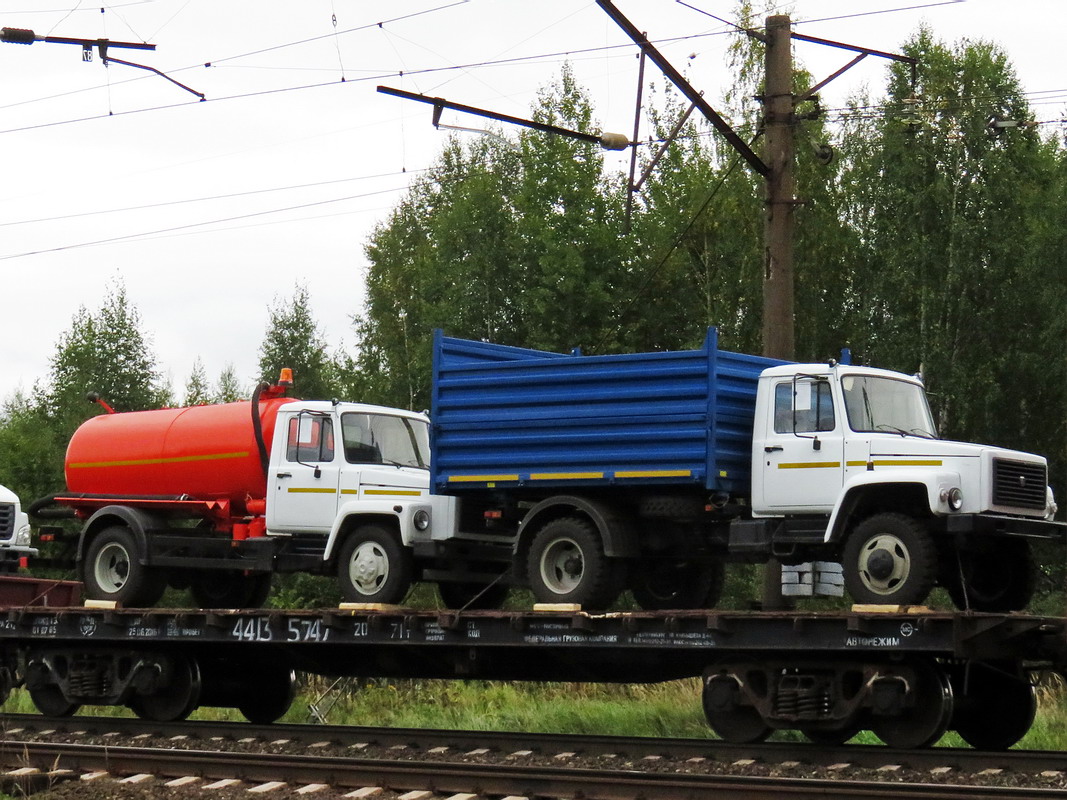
x=662 y=584
x=732 y=721
x=566 y=564
x=994 y=708
x=50 y=701
x=112 y=570
x=928 y=714
x=997 y=577
x=890 y=559
x=474 y=596
x=832 y=736
x=176 y=697
x=269 y=697
x=373 y=567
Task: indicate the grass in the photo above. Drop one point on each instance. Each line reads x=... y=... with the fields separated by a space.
x=660 y=710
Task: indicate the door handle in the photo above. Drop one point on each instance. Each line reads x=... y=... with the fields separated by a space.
x=285 y=474
x=773 y=449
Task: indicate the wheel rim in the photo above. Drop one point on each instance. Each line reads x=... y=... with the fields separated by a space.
x=112 y=567
x=884 y=564
x=369 y=568
x=562 y=566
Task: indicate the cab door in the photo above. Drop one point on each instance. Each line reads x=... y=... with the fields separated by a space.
x=303 y=483
x=801 y=459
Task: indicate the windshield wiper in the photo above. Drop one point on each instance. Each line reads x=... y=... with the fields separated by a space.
x=913 y=432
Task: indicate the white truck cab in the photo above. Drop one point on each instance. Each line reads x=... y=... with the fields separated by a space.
x=14 y=532
x=849 y=457
x=346 y=481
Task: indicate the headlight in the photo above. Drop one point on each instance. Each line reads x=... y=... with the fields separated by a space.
x=1050 y=503
x=22 y=536
x=954 y=497
x=421 y=519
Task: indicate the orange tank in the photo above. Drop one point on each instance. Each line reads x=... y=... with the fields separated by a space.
x=205 y=452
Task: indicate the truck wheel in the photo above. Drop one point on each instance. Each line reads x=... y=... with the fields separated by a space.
x=111 y=570
x=996 y=578
x=473 y=596
x=373 y=567
x=662 y=584
x=566 y=564
x=890 y=559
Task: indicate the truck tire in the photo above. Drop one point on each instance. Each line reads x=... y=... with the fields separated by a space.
x=997 y=577
x=890 y=559
x=111 y=570
x=566 y=564
x=659 y=584
x=373 y=567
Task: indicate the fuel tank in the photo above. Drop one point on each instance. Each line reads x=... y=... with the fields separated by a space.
x=205 y=452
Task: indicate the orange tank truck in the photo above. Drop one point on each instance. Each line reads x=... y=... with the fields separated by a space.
x=201 y=452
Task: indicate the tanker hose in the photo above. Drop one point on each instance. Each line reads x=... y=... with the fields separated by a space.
x=257 y=427
x=40 y=509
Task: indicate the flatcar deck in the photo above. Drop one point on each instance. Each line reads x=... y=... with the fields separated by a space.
x=541 y=645
x=908 y=674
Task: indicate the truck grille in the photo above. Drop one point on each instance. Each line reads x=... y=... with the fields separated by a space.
x=1019 y=484
x=7 y=520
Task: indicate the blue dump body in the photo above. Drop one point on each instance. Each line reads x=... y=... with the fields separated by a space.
x=507 y=417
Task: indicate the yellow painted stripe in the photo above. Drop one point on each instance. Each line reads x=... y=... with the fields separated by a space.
x=900 y=462
x=809 y=465
x=393 y=492
x=655 y=473
x=350 y=491
x=564 y=476
x=150 y=461
x=480 y=478
x=300 y=490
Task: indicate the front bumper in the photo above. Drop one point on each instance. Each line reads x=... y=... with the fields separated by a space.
x=998 y=525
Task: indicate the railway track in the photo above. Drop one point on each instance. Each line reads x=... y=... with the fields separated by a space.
x=501 y=764
x=345 y=776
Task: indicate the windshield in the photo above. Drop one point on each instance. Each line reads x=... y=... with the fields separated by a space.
x=887 y=405
x=385 y=439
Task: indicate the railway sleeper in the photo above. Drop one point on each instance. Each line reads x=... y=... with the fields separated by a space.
x=161 y=686
x=908 y=703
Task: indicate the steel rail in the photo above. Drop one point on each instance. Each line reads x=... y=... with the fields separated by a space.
x=540 y=781
x=962 y=760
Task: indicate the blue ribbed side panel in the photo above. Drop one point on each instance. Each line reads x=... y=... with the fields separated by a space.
x=510 y=416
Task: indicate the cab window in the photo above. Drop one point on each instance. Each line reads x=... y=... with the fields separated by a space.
x=803 y=406
x=310 y=439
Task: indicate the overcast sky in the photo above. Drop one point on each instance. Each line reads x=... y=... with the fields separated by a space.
x=210 y=211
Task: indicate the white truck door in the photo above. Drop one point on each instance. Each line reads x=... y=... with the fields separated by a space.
x=303 y=480
x=802 y=453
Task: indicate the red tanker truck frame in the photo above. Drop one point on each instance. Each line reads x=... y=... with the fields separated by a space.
x=218 y=498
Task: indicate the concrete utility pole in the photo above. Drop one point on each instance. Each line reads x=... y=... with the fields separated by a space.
x=778 y=322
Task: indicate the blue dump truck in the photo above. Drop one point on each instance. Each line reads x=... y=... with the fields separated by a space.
x=583 y=476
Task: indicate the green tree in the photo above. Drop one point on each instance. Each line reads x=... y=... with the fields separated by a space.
x=515 y=239
x=197 y=390
x=293 y=339
x=950 y=214
x=228 y=388
x=103 y=351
